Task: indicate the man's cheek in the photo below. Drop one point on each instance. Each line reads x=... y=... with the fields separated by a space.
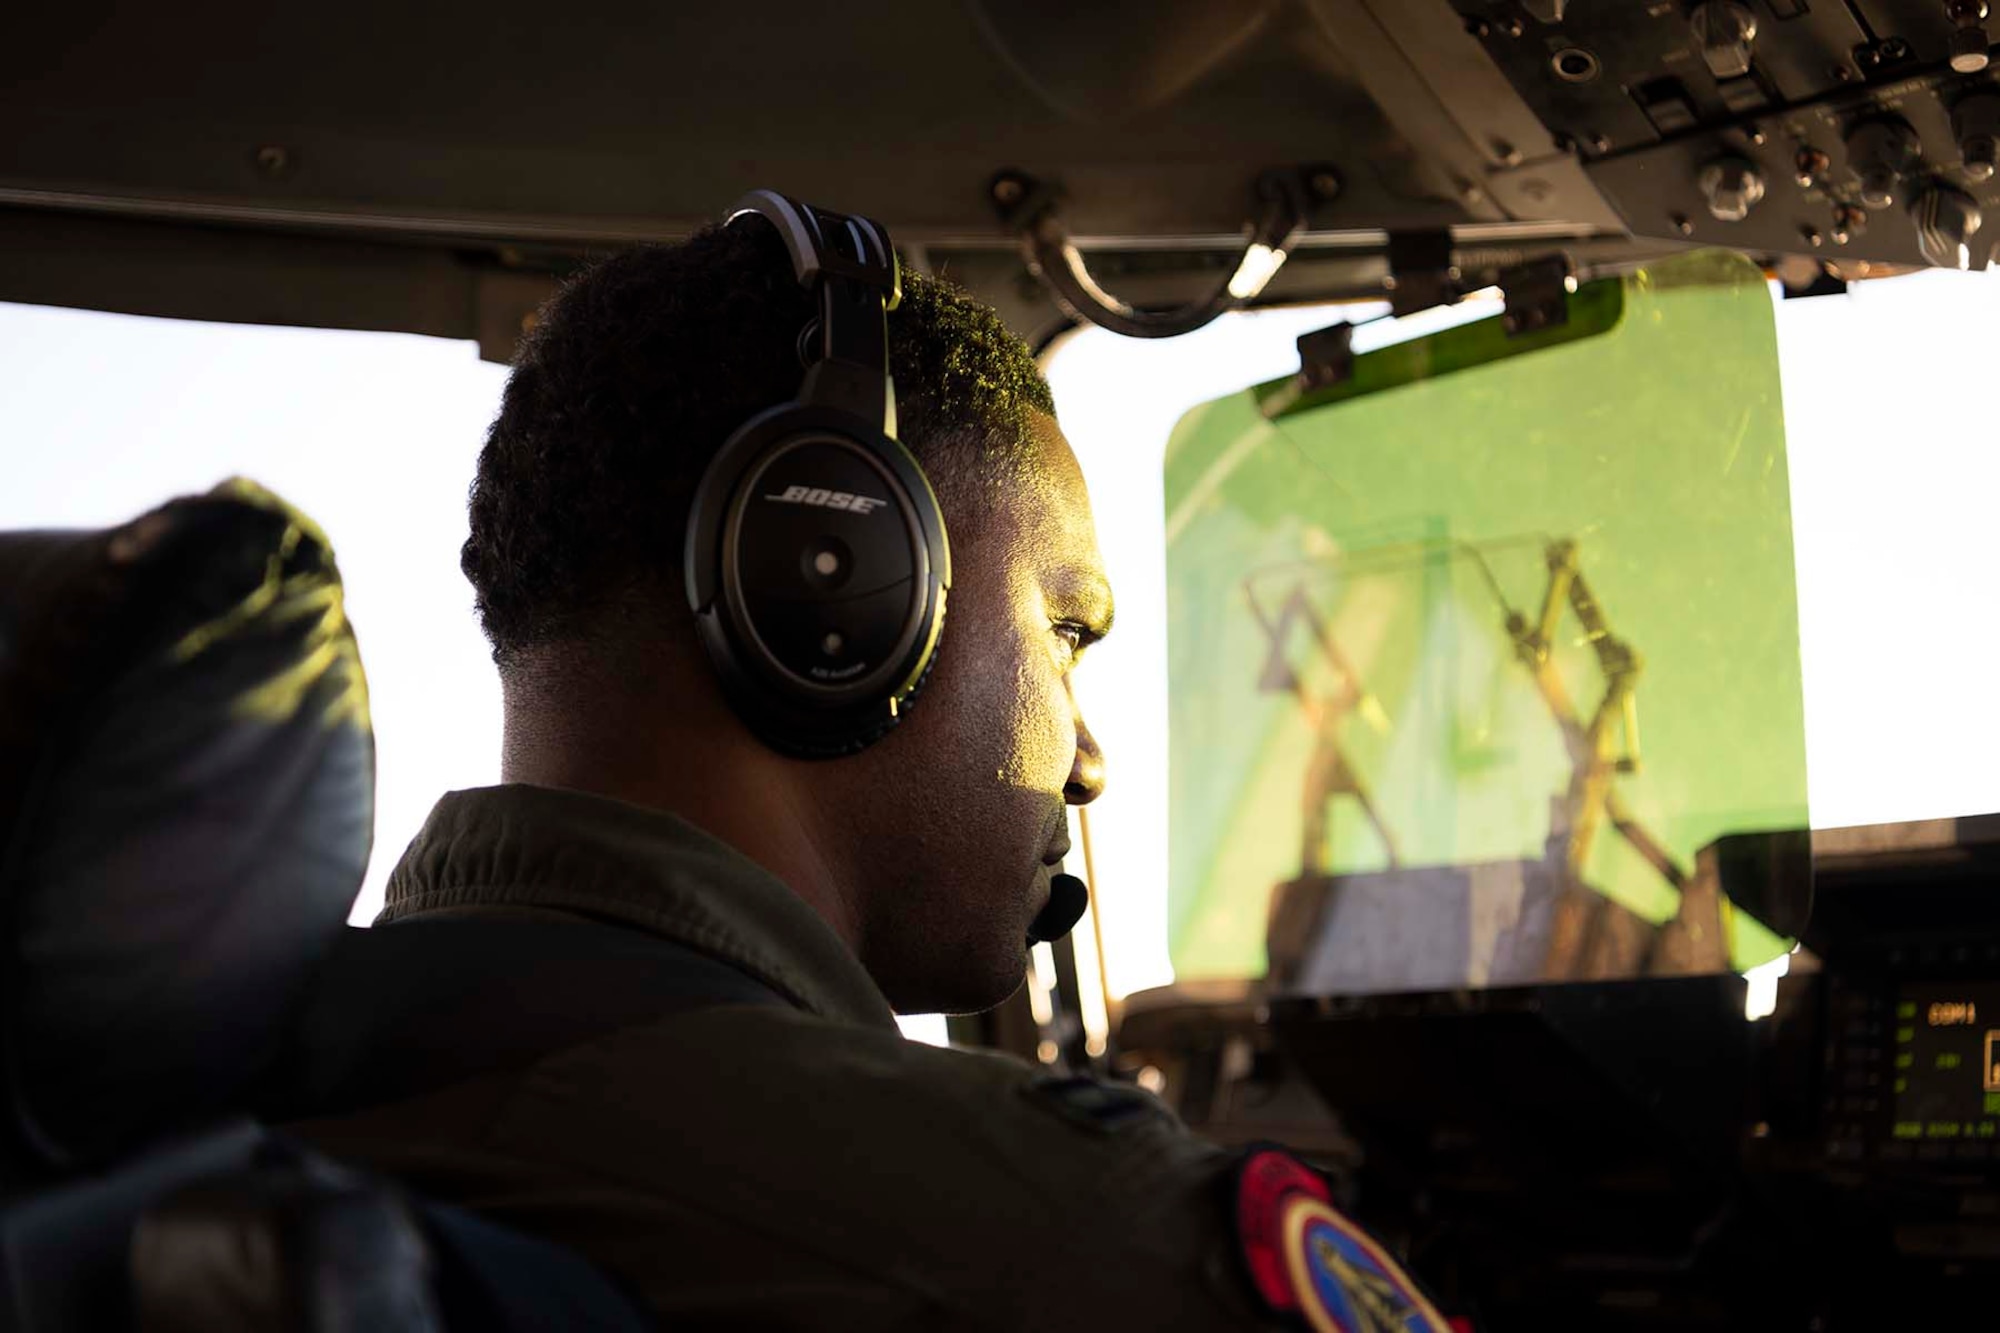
x=1047 y=730
x=1016 y=721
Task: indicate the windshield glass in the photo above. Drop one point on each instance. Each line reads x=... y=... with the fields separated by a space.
x=1471 y=653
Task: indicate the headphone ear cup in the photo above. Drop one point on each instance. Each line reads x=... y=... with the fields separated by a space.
x=859 y=741
x=817 y=569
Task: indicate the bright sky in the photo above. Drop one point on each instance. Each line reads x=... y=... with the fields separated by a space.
x=1893 y=475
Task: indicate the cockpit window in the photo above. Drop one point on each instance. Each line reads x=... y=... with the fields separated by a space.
x=1890 y=470
x=1474 y=650
x=1891 y=474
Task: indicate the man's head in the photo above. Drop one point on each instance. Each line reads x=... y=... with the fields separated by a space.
x=925 y=851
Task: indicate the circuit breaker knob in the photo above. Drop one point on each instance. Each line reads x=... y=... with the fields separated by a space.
x=1982 y=157
x=1724 y=31
x=1946 y=220
x=1975 y=123
x=1882 y=152
x=1969 y=43
x=1732 y=186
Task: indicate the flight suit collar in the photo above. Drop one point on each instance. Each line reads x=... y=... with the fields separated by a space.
x=542 y=847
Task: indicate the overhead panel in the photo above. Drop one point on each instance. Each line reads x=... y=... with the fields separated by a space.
x=1857 y=134
x=516 y=138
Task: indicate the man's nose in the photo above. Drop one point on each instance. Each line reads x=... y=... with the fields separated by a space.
x=1086 y=774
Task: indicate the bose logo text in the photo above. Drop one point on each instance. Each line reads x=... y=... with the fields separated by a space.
x=821 y=498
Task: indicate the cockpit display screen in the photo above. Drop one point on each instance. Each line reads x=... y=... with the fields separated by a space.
x=1946 y=1044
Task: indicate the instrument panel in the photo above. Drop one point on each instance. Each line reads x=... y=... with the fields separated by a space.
x=1645 y=1154
x=1845 y=132
x=1913 y=1065
x=1945 y=1063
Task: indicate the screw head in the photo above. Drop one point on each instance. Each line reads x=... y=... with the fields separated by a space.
x=1008 y=190
x=1324 y=184
x=273 y=159
x=1683 y=224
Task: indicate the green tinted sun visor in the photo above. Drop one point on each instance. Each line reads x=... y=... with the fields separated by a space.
x=1484 y=661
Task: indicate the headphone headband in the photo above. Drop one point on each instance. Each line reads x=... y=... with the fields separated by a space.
x=854 y=267
x=816 y=237
x=816 y=562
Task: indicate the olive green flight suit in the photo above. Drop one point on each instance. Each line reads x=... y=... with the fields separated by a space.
x=798 y=1165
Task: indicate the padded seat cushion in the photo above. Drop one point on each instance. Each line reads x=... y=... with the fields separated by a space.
x=186 y=809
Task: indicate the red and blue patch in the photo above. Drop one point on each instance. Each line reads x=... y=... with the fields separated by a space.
x=1308 y=1261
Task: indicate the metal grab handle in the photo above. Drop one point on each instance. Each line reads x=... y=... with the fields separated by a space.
x=1054 y=259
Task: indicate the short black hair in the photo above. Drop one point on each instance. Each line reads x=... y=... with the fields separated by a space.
x=639 y=369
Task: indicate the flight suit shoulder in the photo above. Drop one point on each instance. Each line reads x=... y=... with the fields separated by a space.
x=1261 y=1222
x=1066 y=1128
x=1302 y=1257
x=995 y=1190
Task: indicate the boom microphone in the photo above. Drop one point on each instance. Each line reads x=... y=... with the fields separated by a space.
x=1067 y=899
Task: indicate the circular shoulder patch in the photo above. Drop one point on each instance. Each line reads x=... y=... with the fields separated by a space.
x=1265 y=1181
x=1305 y=1259
x=1343 y=1281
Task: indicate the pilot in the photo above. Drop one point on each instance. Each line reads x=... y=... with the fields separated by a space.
x=757 y=1145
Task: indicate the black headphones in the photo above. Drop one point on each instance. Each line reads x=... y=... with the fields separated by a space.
x=817 y=564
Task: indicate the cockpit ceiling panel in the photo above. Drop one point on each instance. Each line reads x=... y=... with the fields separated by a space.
x=600 y=121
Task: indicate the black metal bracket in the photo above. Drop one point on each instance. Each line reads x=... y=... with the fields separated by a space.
x=1421 y=272
x=1537 y=295
x=1326 y=357
x=1021 y=199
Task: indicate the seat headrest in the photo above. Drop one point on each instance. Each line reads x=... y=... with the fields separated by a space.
x=186 y=807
